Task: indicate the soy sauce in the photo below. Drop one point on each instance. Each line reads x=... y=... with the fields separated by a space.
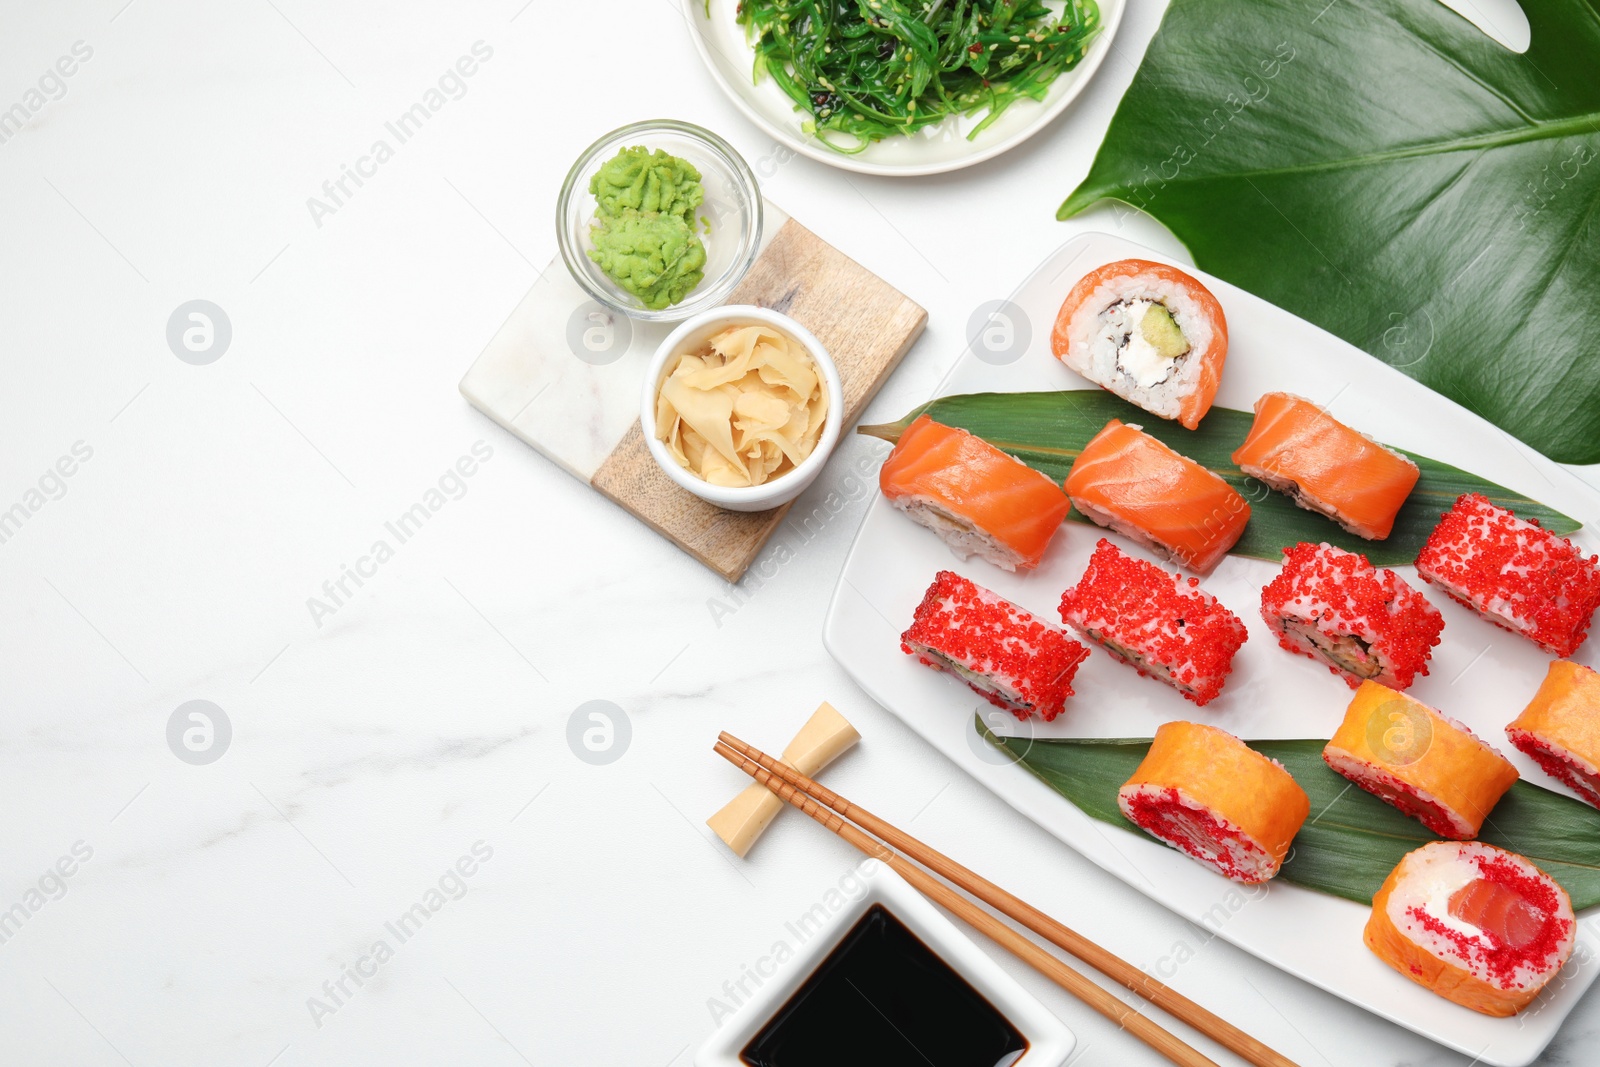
x=884 y=998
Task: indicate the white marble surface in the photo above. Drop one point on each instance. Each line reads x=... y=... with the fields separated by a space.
x=375 y=743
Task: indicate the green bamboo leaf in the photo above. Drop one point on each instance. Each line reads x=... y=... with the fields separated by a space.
x=1385 y=170
x=1047 y=430
x=1352 y=840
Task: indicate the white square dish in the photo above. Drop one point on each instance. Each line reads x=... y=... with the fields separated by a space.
x=1049 y=1040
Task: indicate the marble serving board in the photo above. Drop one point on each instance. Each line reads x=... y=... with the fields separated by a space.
x=564 y=374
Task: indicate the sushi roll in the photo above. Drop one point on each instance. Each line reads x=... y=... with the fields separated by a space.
x=1362 y=621
x=977 y=498
x=1160 y=623
x=1325 y=466
x=1148 y=332
x=1129 y=482
x=1007 y=656
x=1414 y=759
x=1476 y=924
x=1205 y=792
x=1560 y=728
x=1514 y=573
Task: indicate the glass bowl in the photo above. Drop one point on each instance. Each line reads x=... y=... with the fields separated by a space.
x=732 y=207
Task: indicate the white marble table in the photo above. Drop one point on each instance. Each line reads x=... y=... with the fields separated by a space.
x=402 y=740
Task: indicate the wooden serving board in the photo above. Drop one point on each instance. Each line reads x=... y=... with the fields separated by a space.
x=564 y=375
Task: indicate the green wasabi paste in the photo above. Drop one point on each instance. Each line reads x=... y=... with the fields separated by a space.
x=644 y=233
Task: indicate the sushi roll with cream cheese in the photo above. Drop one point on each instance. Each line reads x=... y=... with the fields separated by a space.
x=1149 y=333
x=1476 y=924
x=1126 y=480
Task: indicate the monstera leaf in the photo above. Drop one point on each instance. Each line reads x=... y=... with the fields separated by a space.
x=1385 y=170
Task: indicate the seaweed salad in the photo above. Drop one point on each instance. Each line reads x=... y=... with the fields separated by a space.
x=871 y=69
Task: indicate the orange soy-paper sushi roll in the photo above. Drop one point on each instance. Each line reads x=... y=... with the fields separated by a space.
x=1150 y=333
x=1560 y=728
x=1409 y=756
x=1128 y=481
x=1476 y=924
x=1206 y=793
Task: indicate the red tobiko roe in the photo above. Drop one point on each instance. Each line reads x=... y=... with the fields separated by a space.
x=1505 y=888
x=996 y=638
x=1537 y=578
x=1164 y=618
x=1405 y=627
x=1157 y=812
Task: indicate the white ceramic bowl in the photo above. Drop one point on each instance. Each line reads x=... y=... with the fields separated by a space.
x=692 y=333
x=844 y=903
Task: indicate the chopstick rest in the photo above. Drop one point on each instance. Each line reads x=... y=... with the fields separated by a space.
x=822 y=739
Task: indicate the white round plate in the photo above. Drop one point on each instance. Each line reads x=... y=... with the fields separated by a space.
x=944 y=147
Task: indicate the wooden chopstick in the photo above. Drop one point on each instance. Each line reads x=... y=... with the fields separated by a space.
x=1108 y=963
x=1123 y=1014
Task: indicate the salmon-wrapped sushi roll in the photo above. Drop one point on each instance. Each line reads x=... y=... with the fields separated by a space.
x=1476 y=924
x=1514 y=573
x=1560 y=728
x=1325 y=466
x=1362 y=621
x=1129 y=482
x=1414 y=759
x=1007 y=656
x=1162 y=624
x=1148 y=332
x=1205 y=792
x=980 y=500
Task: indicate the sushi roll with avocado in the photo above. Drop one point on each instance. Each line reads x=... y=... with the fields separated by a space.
x=1362 y=621
x=1514 y=573
x=1560 y=728
x=1150 y=333
x=1007 y=656
x=1208 y=794
x=1476 y=924
x=1161 y=624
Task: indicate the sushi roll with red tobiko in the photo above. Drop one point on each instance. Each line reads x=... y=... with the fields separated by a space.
x=1208 y=794
x=1162 y=624
x=1560 y=728
x=1362 y=621
x=1009 y=657
x=1514 y=573
x=1476 y=924
x=1413 y=758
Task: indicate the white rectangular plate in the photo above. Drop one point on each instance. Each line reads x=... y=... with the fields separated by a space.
x=1481 y=675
